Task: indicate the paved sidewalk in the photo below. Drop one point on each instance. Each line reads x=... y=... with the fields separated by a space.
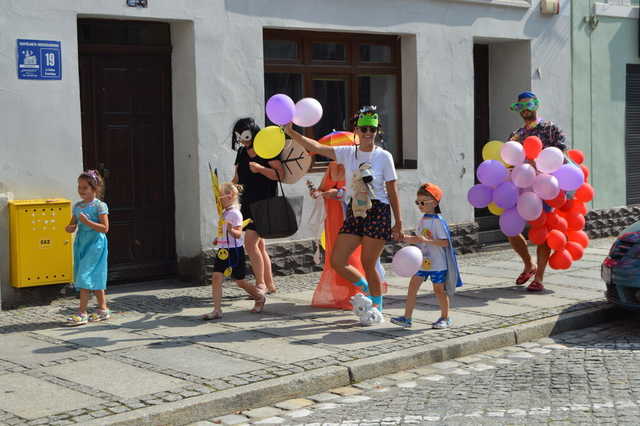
x=156 y=362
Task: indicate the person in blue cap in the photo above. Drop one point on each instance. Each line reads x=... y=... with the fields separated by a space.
x=551 y=136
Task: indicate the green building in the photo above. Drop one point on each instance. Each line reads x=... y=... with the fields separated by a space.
x=606 y=106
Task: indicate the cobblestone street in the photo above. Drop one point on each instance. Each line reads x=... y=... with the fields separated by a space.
x=582 y=377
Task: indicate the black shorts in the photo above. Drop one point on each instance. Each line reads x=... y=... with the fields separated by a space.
x=377 y=223
x=231 y=257
x=246 y=214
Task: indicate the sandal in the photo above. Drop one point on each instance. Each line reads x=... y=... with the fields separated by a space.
x=212 y=316
x=535 y=286
x=77 y=319
x=259 y=305
x=526 y=276
x=100 y=315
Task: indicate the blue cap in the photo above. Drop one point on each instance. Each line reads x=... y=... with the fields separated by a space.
x=527 y=95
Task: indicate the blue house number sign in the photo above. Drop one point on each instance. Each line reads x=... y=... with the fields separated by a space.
x=39 y=60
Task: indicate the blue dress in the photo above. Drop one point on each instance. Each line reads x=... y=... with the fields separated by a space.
x=90 y=248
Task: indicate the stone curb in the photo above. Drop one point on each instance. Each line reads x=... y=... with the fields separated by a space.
x=272 y=391
x=223 y=402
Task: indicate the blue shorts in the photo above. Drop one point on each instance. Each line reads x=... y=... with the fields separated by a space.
x=437 y=277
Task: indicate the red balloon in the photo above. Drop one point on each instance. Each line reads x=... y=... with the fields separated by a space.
x=560 y=260
x=585 y=171
x=532 y=147
x=556 y=240
x=568 y=205
x=585 y=193
x=576 y=155
x=579 y=237
x=540 y=221
x=557 y=202
x=575 y=222
x=575 y=249
x=538 y=235
x=578 y=207
x=561 y=225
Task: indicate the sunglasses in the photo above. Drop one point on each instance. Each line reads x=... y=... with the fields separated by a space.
x=531 y=105
x=368 y=129
x=423 y=203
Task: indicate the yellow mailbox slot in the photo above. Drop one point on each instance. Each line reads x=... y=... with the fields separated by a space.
x=40 y=247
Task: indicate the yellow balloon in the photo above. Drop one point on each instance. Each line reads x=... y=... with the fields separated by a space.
x=491 y=150
x=493 y=208
x=269 y=142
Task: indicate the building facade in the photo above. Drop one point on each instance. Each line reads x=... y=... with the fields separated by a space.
x=148 y=95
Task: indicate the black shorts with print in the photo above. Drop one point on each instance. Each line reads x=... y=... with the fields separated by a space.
x=234 y=258
x=377 y=223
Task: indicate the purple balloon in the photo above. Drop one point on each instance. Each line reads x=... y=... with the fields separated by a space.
x=280 y=109
x=511 y=224
x=529 y=206
x=505 y=195
x=480 y=195
x=569 y=177
x=491 y=172
x=546 y=186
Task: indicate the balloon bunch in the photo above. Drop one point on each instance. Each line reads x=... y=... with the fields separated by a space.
x=281 y=110
x=524 y=183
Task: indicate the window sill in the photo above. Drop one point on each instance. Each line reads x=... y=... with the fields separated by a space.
x=616 y=11
x=523 y=4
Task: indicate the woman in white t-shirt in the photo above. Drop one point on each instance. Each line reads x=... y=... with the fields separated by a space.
x=371 y=185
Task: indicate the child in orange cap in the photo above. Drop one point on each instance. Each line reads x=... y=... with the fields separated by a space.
x=439 y=258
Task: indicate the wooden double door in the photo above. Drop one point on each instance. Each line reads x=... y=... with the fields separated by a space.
x=127 y=136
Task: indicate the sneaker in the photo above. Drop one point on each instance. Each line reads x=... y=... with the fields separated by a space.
x=100 y=315
x=442 y=323
x=401 y=321
x=77 y=319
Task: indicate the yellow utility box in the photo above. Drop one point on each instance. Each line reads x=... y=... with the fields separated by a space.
x=40 y=247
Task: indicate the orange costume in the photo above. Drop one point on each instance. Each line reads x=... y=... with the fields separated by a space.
x=333 y=291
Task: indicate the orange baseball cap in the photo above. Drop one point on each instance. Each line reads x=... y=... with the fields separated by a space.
x=434 y=190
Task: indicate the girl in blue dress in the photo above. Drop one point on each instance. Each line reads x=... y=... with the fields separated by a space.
x=90 y=249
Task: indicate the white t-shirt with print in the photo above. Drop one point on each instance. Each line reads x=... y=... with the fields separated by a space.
x=232 y=217
x=431 y=227
x=382 y=168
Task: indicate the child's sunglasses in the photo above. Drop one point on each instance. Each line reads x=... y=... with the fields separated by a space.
x=423 y=203
x=368 y=129
x=531 y=105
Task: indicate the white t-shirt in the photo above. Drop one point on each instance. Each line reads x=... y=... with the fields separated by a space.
x=232 y=217
x=432 y=228
x=381 y=165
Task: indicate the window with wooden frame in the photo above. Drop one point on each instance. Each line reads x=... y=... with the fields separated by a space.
x=343 y=71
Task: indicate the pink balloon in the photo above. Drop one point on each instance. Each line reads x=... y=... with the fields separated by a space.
x=529 y=206
x=569 y=177
x=549 y=160
x=523 y=175
x=407 y=261
x=491 y=172
x=280 y=109
x=511 y=223
x=308 y=112
x=512 y=153
x=546 y=186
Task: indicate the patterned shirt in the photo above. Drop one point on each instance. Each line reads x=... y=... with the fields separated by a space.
x=547 y=131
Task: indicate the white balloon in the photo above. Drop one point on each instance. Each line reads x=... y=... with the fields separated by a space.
x=512 y=153
x=523 y=175
x=407 y=261
x=307 y=113
x=549 y=160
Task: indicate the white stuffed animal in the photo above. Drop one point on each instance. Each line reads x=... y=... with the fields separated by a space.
x=364 y=309
x=362 y=192
x=372 y=316
x=361 y=304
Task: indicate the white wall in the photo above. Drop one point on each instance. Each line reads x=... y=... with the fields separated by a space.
x=218 y=77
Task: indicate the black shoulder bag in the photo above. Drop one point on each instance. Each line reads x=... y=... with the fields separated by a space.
x=277 y=217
